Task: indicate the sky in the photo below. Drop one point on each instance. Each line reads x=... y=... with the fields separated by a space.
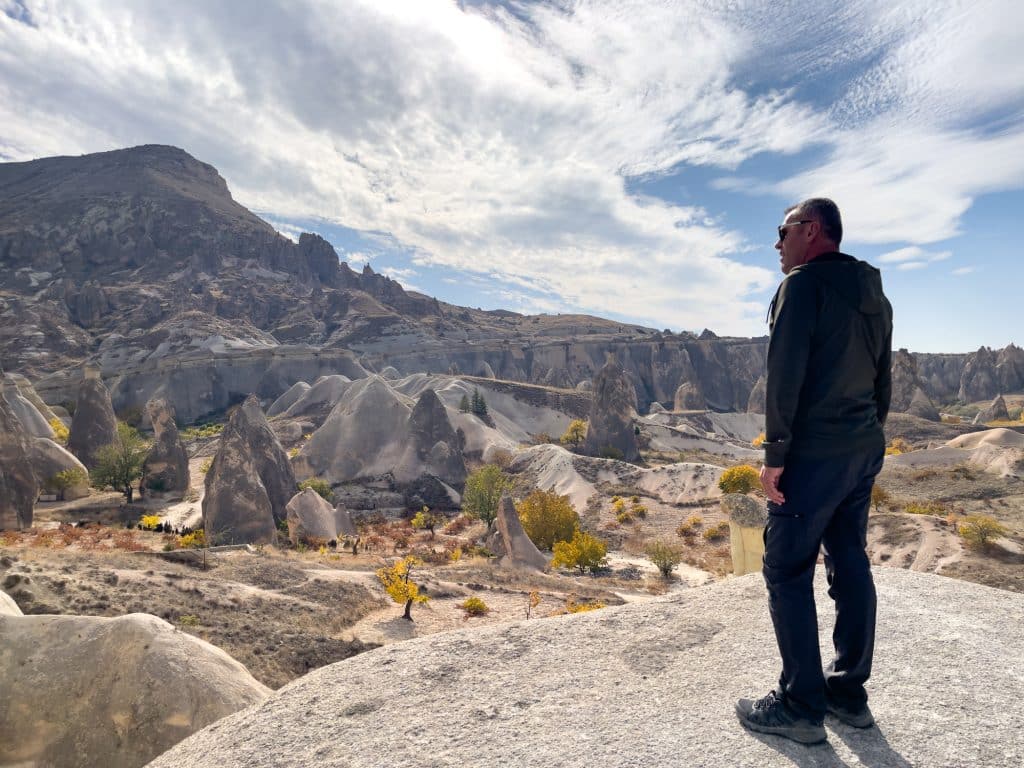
x=627 y=159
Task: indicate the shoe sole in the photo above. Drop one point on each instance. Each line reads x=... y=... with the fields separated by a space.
x=806 y=735
x=855 y=721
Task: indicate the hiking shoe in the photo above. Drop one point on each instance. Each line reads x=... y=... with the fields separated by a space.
x=771 y=715
x=858 y=715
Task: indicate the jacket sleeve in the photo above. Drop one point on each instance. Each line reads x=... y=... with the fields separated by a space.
x=883 y=378
x=793 y=323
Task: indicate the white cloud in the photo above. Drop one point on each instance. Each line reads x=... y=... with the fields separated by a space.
x=964 y=270
x=494 y=142
x=913 y=257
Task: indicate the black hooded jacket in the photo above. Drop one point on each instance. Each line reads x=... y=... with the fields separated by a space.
x=829 y=379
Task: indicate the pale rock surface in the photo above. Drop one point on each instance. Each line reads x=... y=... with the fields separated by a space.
x=553 y=468
x=612 y=413
x=288 y=399
x=688 y=397
x=32 y=421
x=647 y=684
x=50 y=458
x=93 y=425
x=30 y=394
x=390 y=373
x=86 y=691
x=165 y=469
x=655 y=408
x=320 y=397
x=250 y=481
x=510 y=543
x=19 y=483
x=7 y=605
x=309 y=516
x=364 y=435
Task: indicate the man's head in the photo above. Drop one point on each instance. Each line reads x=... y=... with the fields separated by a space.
x=808 y=230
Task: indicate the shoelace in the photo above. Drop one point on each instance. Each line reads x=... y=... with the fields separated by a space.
x=768 y=702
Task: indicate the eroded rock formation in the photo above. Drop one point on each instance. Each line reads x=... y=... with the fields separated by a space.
x=93 y=425
x=250 y=482
x=611 y=432
x=166 y=466
x=509 y=541
x=19 y=484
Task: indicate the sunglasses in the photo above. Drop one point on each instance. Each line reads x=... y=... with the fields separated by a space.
x=783 y=227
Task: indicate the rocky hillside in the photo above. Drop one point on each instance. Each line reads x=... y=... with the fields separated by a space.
x=140 y=261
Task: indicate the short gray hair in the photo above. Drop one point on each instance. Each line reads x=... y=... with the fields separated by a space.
x=825 y=212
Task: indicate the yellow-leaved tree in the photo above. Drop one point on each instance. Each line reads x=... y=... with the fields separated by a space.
x=583 y=552
x=547 y=518
x=398 y=583
x=575 y=434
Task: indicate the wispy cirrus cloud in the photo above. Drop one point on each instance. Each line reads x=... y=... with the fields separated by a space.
x=505 y=140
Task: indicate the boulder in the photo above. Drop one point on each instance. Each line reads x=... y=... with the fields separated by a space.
x=50 y=459
x=94 y=425
x=310 y=516
x=996 y=411
x=755 y=403
x=922 y=406
x=688 y=397
x=611 y=432
x=510 y=542
x=165 y=469
x=288 y=399
x=19 y=483
x=85 y=691
x=250 y=481
x=655 y=408
x=32 y=421
x=745 y=511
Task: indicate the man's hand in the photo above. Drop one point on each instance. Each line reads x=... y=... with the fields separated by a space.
x=770 y=482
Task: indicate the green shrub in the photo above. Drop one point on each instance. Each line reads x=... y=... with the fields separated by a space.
x=483 y=492
x=320 y=486
x=665 y=556
x=978 y=531
x=611 y=452
x=926 y=508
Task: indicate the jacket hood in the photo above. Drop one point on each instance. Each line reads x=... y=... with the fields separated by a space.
x=856 y=281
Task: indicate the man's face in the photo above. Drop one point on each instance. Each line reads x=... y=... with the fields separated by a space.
x=793 y=245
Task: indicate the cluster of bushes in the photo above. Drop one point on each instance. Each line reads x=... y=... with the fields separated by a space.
x=635 y=511
x=201 y=431
x=320 y=486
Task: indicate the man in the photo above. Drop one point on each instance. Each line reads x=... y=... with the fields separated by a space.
x=827 y=397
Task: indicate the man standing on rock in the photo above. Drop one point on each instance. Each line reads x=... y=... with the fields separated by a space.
x=828 y=391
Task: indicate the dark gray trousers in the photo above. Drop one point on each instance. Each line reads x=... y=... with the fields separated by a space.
x=827 y=502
